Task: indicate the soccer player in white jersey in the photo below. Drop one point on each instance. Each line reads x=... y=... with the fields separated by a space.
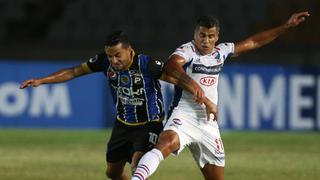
x=202 y=60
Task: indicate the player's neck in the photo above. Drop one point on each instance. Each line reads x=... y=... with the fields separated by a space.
x=131 y=60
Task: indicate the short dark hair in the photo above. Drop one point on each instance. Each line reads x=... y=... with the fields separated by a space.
x=117 y=37
x=208 y=22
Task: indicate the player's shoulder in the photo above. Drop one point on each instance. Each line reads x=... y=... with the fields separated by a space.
x=224 y=46
x=225 y=50
x=143 y=58
x=97 y=63
x=98 y=57
x=187 y=46
x=102 y=55
x=148 y=65
x=150 y=59
x=185 y=50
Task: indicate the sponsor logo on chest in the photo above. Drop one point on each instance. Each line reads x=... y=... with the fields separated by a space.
x=112 y=75
x=202 y=69
x=208 y=81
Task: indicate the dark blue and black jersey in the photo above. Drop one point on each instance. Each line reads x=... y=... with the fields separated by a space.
x=136 y=92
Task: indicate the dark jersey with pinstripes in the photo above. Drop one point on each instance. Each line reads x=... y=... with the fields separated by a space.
x=136 y=91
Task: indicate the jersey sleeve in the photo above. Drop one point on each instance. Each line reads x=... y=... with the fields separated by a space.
x=226 y=49
x=185 y=51
x=96 y=63
x=155 y=68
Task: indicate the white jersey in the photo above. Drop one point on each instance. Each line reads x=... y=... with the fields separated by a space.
x=204 y=69
x=188 y=119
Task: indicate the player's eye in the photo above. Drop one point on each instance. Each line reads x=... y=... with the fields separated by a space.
x=202 y=35
x=117 y=55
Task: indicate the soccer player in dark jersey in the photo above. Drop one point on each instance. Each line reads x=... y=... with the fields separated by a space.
x=135 y=88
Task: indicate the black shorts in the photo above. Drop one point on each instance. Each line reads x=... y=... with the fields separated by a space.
x=125 y=140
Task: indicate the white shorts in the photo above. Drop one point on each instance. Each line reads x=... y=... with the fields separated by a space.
x=201 y=136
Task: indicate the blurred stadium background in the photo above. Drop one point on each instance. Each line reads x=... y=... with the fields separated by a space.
x=269 y=98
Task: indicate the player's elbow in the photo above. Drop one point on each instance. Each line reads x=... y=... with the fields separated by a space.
x=170 y=66
x=173 y=69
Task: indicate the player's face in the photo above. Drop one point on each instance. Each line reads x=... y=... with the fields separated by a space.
x=119 y=56
x=205 y=39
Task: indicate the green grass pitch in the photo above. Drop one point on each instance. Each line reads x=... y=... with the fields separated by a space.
x=80 y=154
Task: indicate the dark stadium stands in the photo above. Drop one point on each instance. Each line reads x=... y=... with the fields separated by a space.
x=72 y=29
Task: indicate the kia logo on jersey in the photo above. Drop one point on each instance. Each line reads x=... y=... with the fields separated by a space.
x=208 y=81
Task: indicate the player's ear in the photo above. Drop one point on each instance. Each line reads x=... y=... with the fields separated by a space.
x=130 y=49
x=217 y=37
x=127 y=47
x=195 y=33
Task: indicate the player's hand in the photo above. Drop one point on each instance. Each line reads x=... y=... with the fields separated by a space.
x=211 y=108
x=30 y=82
x=198 y=94
x=297 y=18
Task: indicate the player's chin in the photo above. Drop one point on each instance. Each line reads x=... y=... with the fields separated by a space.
x=118 y=67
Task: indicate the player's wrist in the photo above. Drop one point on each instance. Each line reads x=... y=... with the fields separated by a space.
x=287 y=25
x=40 y=81
x=206 y=101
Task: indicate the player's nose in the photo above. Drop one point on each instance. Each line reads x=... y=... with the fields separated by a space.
x=206 y=40
x=114 y=60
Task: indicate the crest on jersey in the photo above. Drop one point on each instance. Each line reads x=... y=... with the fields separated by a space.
x=216 y=55
x=125 y=79
x=208 y=81
x=177 y=121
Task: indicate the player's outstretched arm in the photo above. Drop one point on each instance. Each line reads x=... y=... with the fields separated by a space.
x=57 y=77
x=265 y=37
x=175 y=72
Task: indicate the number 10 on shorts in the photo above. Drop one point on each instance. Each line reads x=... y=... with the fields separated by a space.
x=153 y=137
